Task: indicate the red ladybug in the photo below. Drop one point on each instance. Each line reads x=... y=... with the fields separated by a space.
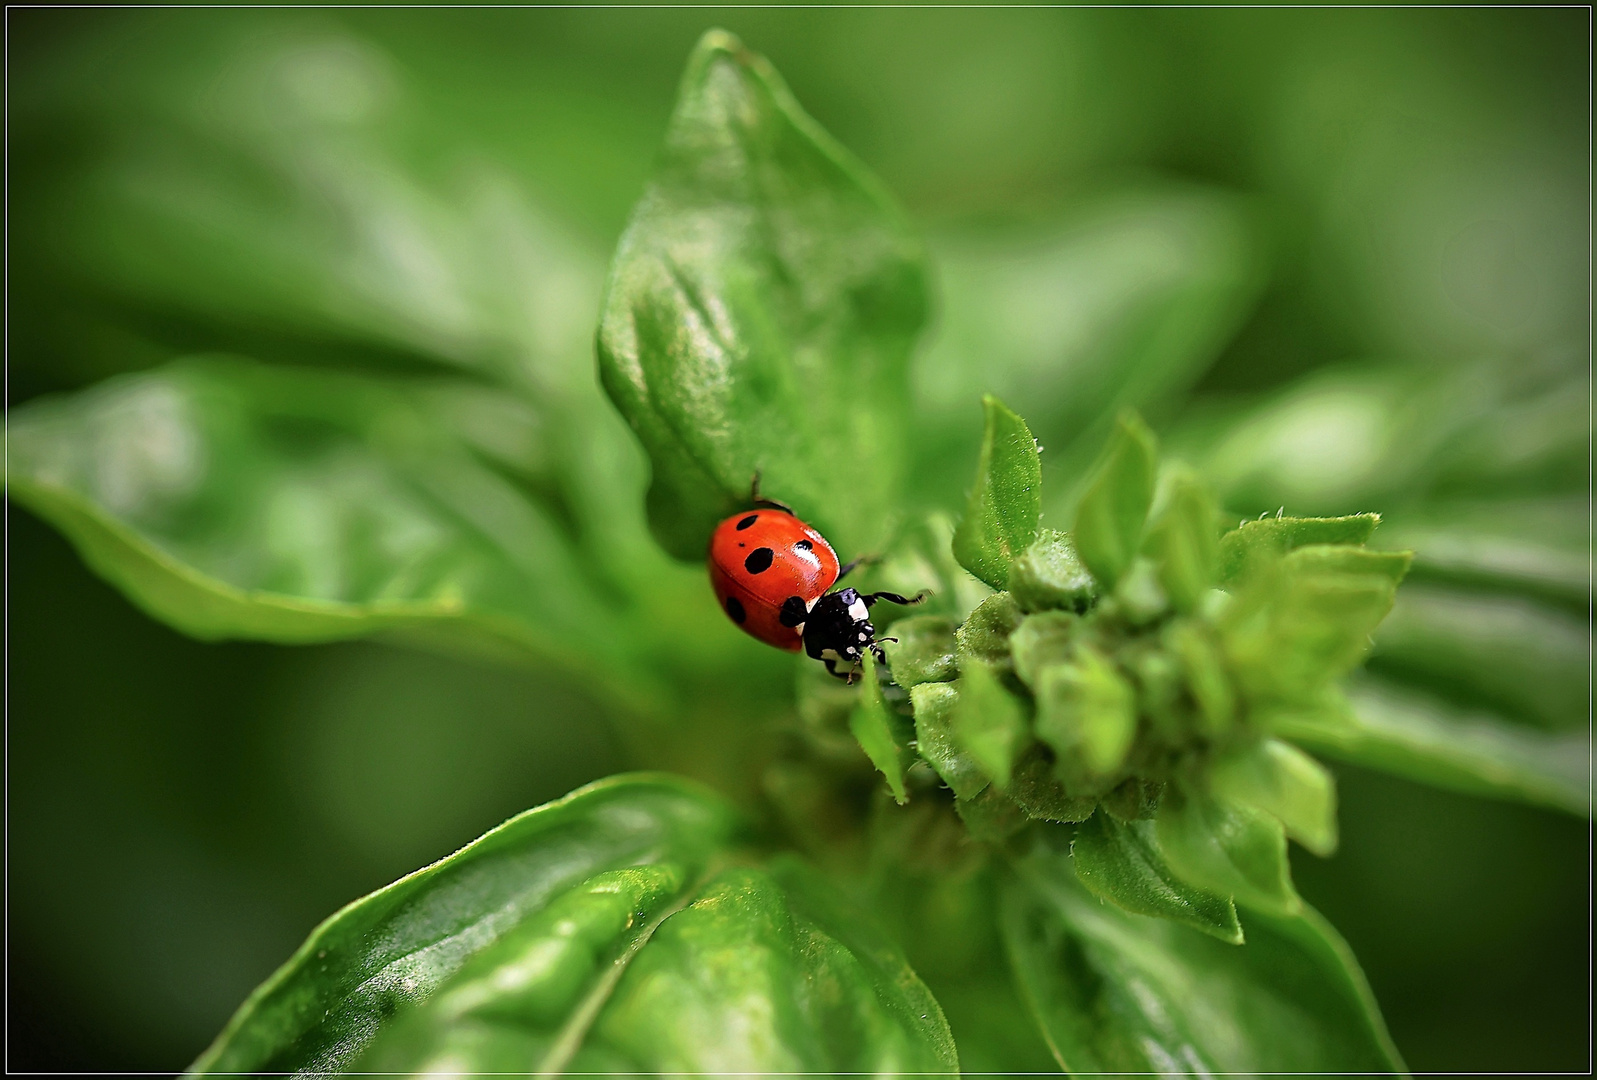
x=770 y=571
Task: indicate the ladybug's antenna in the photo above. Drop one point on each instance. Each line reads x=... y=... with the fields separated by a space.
x=758 y=500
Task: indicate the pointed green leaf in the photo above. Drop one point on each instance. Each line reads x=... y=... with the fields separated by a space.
x=1228 y=849
x=1121 y=863
x=595 y=934
x=1005 y=501
x=1185 y=542
x=924 y=651
x=934 y=739
x=880 y=731
x=1306 y=618
x=641 y=837
x=1282 y=780
x=760 y=312
x=1086 y=711
x=1255 y=540
x=989 y=723
x=1050 y=575
x=1384 y=726
x=1114 y=507
x=1115 y=992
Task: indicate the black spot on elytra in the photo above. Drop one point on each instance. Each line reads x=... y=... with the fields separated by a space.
x=804 y=545
x=746 y=522
x=759 y=560
x=734 y=608
x=793 y=611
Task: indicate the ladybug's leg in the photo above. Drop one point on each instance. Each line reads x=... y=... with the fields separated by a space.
x=756 y=499
x=871 y=598
x=863 y=560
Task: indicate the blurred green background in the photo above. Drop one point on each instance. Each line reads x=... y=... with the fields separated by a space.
x=1347 y=250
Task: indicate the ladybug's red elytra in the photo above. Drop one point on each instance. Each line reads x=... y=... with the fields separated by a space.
x=770 y=571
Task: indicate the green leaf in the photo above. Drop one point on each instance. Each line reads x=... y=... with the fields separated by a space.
x=1228 y=849
x=1203 y=667
x=1005 y=502
x=1282 y=780
x=1043 y=798
x=1306 y=618
x=231 y=499
x=991 y=815
x=1511 y=654
x=1114 y=506
x=1121 y=863
x=988 y=721
x=934 y=739
x=1050 y=575
x=1185 y=542
x=595 y=933
x=1252 y=541
x=760 y=312
x=924 y=651
x=1044 y=640
x=878 y=730
x=1383 y=726
x=1086 y=711
x=1115 y=992
x=984 y=634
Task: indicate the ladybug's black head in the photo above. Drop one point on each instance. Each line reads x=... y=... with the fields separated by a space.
x=838 y=629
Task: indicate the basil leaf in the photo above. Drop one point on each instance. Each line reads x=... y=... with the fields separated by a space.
x=1385 y=726
x=1115 y=992
x=924 y=651
x=984 y=634
x=1245 y=545
x=760 y=312
x=879 y=731
x=1185 y=541
x=988 y=721
x=238 y=500
x=935 y=741
x=1121 y=863
x=1513 y=655
x=1114 y=506
x=1005 y=502
x=1283 y=781
x=1086 y=711
x=593 y=934
x=1227 y=849
x=1050 y=575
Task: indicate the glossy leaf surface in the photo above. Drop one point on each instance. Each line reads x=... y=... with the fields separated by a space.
x=760 y=312
x=1116 y=992
x=1005 y=500
x=233 y=499
x=1121 y=863
x=601 y=932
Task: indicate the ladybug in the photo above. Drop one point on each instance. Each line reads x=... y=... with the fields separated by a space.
x=770 y=571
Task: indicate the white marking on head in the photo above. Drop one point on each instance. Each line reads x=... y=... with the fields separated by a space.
x=858 y=611
x=862 y=637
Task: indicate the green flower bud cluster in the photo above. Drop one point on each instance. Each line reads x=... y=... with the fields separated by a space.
x=1134 y=679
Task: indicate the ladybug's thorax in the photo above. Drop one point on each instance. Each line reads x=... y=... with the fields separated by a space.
x=839 y=629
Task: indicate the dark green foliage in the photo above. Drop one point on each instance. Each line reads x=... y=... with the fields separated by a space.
x=759 y=314
x=1134 y=695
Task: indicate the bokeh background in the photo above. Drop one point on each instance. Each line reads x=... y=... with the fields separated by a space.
x=1344 y=254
